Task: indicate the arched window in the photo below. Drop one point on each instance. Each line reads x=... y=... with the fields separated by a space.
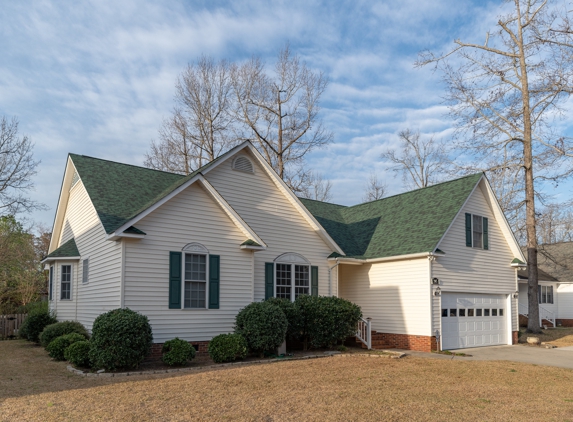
x=292 y=276
x=195 y=276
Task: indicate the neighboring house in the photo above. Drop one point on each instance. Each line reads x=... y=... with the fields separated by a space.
x=433 y=268
x=555 y=294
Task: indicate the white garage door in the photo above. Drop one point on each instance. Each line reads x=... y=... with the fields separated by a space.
x=472 y=320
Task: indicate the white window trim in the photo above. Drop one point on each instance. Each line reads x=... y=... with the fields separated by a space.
x=541 y=287
x=292 y=259
x=71 y=282
x=473 y=237
x=87 y=258
x=195 y=249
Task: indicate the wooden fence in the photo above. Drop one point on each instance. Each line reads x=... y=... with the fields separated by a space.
x=10 y=324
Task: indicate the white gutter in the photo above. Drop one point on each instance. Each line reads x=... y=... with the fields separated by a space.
x=355 y=261
x=61 y=258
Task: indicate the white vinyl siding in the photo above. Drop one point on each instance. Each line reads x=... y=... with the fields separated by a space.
x=473 y=270
x=564 y=299
x=554 y=307
x=260 y=202
x=396 y=294
x=191 y=216
x=102 y=293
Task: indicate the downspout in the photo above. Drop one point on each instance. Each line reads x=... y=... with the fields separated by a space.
x=330 y=278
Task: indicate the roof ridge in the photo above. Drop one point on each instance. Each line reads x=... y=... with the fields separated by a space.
x=415 y=190
x=130 y=165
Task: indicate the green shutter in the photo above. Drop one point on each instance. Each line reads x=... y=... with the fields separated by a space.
x=468 y=230
x=485 y=234
x=269 y=280
x=314 y=281
x=214 y=277
x=175 y=280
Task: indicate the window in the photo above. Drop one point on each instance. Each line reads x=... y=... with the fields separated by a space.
x=195 y=281
x=66 y=282
x=51 y=283
x=477 y=229
x=453 y=312
x=85 y=272
x=545 y=294
x=470 y=312
x=444 y=313
x=478 y=312
x=292 y=276
x=462 y=312
x=486 y=312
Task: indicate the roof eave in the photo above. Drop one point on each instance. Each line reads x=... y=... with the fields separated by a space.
x=60 y=258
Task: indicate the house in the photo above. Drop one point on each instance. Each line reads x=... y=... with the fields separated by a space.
x=555 y=294
x=432 y=268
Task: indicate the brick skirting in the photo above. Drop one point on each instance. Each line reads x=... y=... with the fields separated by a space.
x=201 y=347
x=409 y=342
x=514 y=337
x=565 y=322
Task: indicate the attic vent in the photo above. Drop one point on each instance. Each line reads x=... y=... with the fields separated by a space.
x=243 y=164
x=75 y=179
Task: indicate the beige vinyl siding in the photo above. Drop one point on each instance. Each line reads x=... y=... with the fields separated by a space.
x=65 y=309
x=191 y=216
x=262 y=205
x=396 y=294
x=102 y=292
x=472 y=270
x=565 y=301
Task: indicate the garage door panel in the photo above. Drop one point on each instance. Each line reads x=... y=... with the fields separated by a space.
x=470 y=320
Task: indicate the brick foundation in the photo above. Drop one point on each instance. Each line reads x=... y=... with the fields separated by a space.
x=565 y=322
x=201 y=347
x=410 y=342
x=514 y=337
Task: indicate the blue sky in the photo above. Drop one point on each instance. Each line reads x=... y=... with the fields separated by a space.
x=97 y=78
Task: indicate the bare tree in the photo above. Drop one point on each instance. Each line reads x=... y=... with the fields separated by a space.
x=505 y=95
x=375 y=189
x=314 y=186
x=280 y=112
x=421 y=162
x=555 y=223
x=201 y=127
x=17 y=167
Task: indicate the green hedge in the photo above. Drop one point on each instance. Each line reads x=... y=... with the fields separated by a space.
x=292 y=314
x=58 y=329
x=35 y=323
x=263 y=325
x=78 y=353
x=120 y=338
x=228 y=348
x=58 y=346
x=177 y=352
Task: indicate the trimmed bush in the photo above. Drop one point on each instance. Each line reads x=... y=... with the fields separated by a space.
x=292 y=314
x=120 y=338
x=58 y=346
x=177 y=352
x=263 y=325
x=326 y=320
x=78 y=353
x=228 y=348
x=35 y=323
x=58 y=329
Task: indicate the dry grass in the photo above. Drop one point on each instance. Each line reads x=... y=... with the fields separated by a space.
x=354 y=388
x=560 y=336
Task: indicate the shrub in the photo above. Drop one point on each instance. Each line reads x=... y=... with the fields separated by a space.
x=263 y=325
x=292 y=314
x=58 y=346
x=78 y=353
x=58 y=329
x=177 y=352
x=326 y=320
x=228 y=348
x=35 y=323
x=121 y=338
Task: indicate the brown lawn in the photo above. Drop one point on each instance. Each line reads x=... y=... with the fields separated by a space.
x=33 y=388
x=560 y=336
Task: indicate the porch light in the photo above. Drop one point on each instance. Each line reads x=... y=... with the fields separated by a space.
x=437 y=292
x=435 y=280
x=516 y=295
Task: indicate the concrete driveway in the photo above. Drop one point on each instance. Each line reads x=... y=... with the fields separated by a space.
x=560 y=357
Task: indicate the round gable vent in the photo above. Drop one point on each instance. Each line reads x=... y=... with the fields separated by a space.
x=243 y=164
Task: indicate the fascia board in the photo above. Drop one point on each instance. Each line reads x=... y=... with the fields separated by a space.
x=61 y=258
x=356 y=261
x=294 y=200
x=62 y=205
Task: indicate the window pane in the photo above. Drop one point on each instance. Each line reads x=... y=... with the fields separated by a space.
x=195 y=294
x=283 y=281
x=478 y=312
x=453 y=312
x=486 y=312
x=477 y=231
x=462 y=312
x=549 y=294
x=470 y=312
x=494 y=312
x=501 y=312
x=195 y=267
x=301 y=280
x=444 y=313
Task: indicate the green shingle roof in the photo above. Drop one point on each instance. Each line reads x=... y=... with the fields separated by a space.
x=250 y=242
x=412 y=222
x=119 y=192
x=67 y=249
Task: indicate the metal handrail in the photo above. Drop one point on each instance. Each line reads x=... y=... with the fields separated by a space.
x=364 y=332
